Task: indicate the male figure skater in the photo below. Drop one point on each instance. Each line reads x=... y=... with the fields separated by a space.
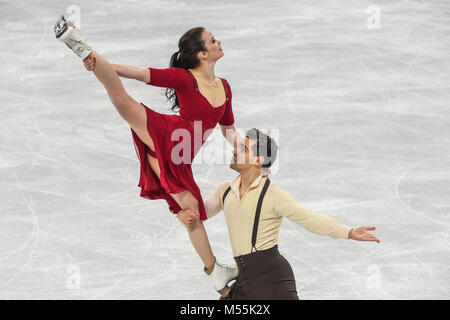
x=254 y=208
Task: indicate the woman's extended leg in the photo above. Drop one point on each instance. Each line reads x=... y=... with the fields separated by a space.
x=129 y=109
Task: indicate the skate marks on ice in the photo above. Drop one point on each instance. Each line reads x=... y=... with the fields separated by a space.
x=363 y=138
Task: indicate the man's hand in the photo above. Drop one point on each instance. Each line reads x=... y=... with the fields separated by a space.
x=362 y=234
x=188 y=216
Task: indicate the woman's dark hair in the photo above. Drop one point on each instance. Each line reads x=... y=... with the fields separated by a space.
x=265 y=146
x=189 y=45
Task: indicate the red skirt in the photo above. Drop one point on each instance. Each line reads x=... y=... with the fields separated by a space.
x=175 y=178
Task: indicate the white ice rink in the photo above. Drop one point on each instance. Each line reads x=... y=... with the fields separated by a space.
x=362 y=111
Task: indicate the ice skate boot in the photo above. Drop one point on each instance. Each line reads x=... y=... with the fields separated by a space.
x=221 y=275
x=66 y=32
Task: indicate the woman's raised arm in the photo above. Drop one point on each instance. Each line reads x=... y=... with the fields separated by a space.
x=131 y=72
x=232 y=135
x=122 y=70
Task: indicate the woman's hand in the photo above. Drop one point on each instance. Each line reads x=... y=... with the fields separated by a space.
x=232 y=135
x=265 y=172
x=89 y=63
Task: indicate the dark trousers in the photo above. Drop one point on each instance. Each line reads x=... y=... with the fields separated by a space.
x=264 y=275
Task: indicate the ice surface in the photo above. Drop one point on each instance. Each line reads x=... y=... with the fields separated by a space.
x=363 y=120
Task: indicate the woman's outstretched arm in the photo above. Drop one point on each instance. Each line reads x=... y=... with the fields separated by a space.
x=122 y=70
x=131 y=72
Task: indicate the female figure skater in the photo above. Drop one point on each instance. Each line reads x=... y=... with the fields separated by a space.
x=199 y=95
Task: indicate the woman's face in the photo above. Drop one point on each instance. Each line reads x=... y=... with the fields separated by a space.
x=213 y=46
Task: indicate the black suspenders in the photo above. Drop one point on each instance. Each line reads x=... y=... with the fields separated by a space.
x=258 y=210
x=258 y=213
x=225 y=194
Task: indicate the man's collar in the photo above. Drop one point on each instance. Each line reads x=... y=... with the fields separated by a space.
x=237 y=182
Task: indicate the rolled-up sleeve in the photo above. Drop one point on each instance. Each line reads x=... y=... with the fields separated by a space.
x=213 y=204
x=174 y=78
x=318 y=223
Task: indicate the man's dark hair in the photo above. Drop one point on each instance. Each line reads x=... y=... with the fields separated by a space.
x=265 y=146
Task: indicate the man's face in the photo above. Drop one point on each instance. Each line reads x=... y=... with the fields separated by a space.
x=244 y=157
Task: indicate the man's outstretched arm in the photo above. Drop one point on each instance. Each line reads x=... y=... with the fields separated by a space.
x=318 y=223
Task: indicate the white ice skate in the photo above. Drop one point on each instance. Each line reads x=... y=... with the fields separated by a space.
x=221 y=275
x=66 y=32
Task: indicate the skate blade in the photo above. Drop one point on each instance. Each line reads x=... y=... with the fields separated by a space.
x=61 y=26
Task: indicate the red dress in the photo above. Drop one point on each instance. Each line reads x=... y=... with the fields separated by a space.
x=176 y=176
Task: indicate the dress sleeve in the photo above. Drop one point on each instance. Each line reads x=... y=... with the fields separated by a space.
x=174 y=78
x=227 y=118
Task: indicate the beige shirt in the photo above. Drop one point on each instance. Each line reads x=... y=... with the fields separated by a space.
x=277 y=203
